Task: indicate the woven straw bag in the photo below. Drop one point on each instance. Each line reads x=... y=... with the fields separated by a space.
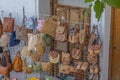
x=50 y=26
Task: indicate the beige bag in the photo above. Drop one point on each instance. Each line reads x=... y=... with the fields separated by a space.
x=61 y=33
x=4 y=40
x=39 y=49
x=54 y=57
x=65 y=58
x=64 y=69
x=50 y=25
x=33 y=40
x=24 y=52
x=46 y=66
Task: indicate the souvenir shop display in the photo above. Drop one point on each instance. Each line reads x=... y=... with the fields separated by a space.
x=60 y=49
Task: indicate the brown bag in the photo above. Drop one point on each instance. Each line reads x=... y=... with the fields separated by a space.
x=61 y=33
x=50 y=25
x=8 y=25
x=21 y=33
x=17 y=63
x=76 y=53
x=62 y=46
x=35 y=57
x=4 y=71
x=46 y=66
x=1 y=27
x=64 y=69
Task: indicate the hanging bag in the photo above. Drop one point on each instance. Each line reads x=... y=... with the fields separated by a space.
x=8 y=25
x=17 y=63
x=54 y=57
x=61 y=33
x=22 y=31
x=76 y=53
x=50 y=26
x=5 y=65
x=73 y=34
x=13 y=40
x=4 y=40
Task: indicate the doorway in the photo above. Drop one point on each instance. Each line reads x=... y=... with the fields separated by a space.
x=114 y=70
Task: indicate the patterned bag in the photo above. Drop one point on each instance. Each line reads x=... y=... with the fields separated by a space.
x=4 y=40
x=40 y=24
x=95 y=43
x=61 y=33
x=92 y=58
x=76 y=53
x=73 y=34
x=33 y=40
x=54 y=57
x=65 y=58
x=62 y=46
x=8 y=25
x=50 y=26
x=64 y=69
x=21 y=33
x=30 y=22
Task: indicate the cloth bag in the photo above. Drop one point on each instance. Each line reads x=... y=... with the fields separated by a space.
x=30 y=22
x=8 y=25
x=4 y=40
x=21 y=33
x=13 y=40
x=33 y=39
x=50 y=26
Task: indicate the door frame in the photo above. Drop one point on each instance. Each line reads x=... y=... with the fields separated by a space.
x=111 y=44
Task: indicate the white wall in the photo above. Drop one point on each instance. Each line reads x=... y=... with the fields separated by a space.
x=16 y=6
